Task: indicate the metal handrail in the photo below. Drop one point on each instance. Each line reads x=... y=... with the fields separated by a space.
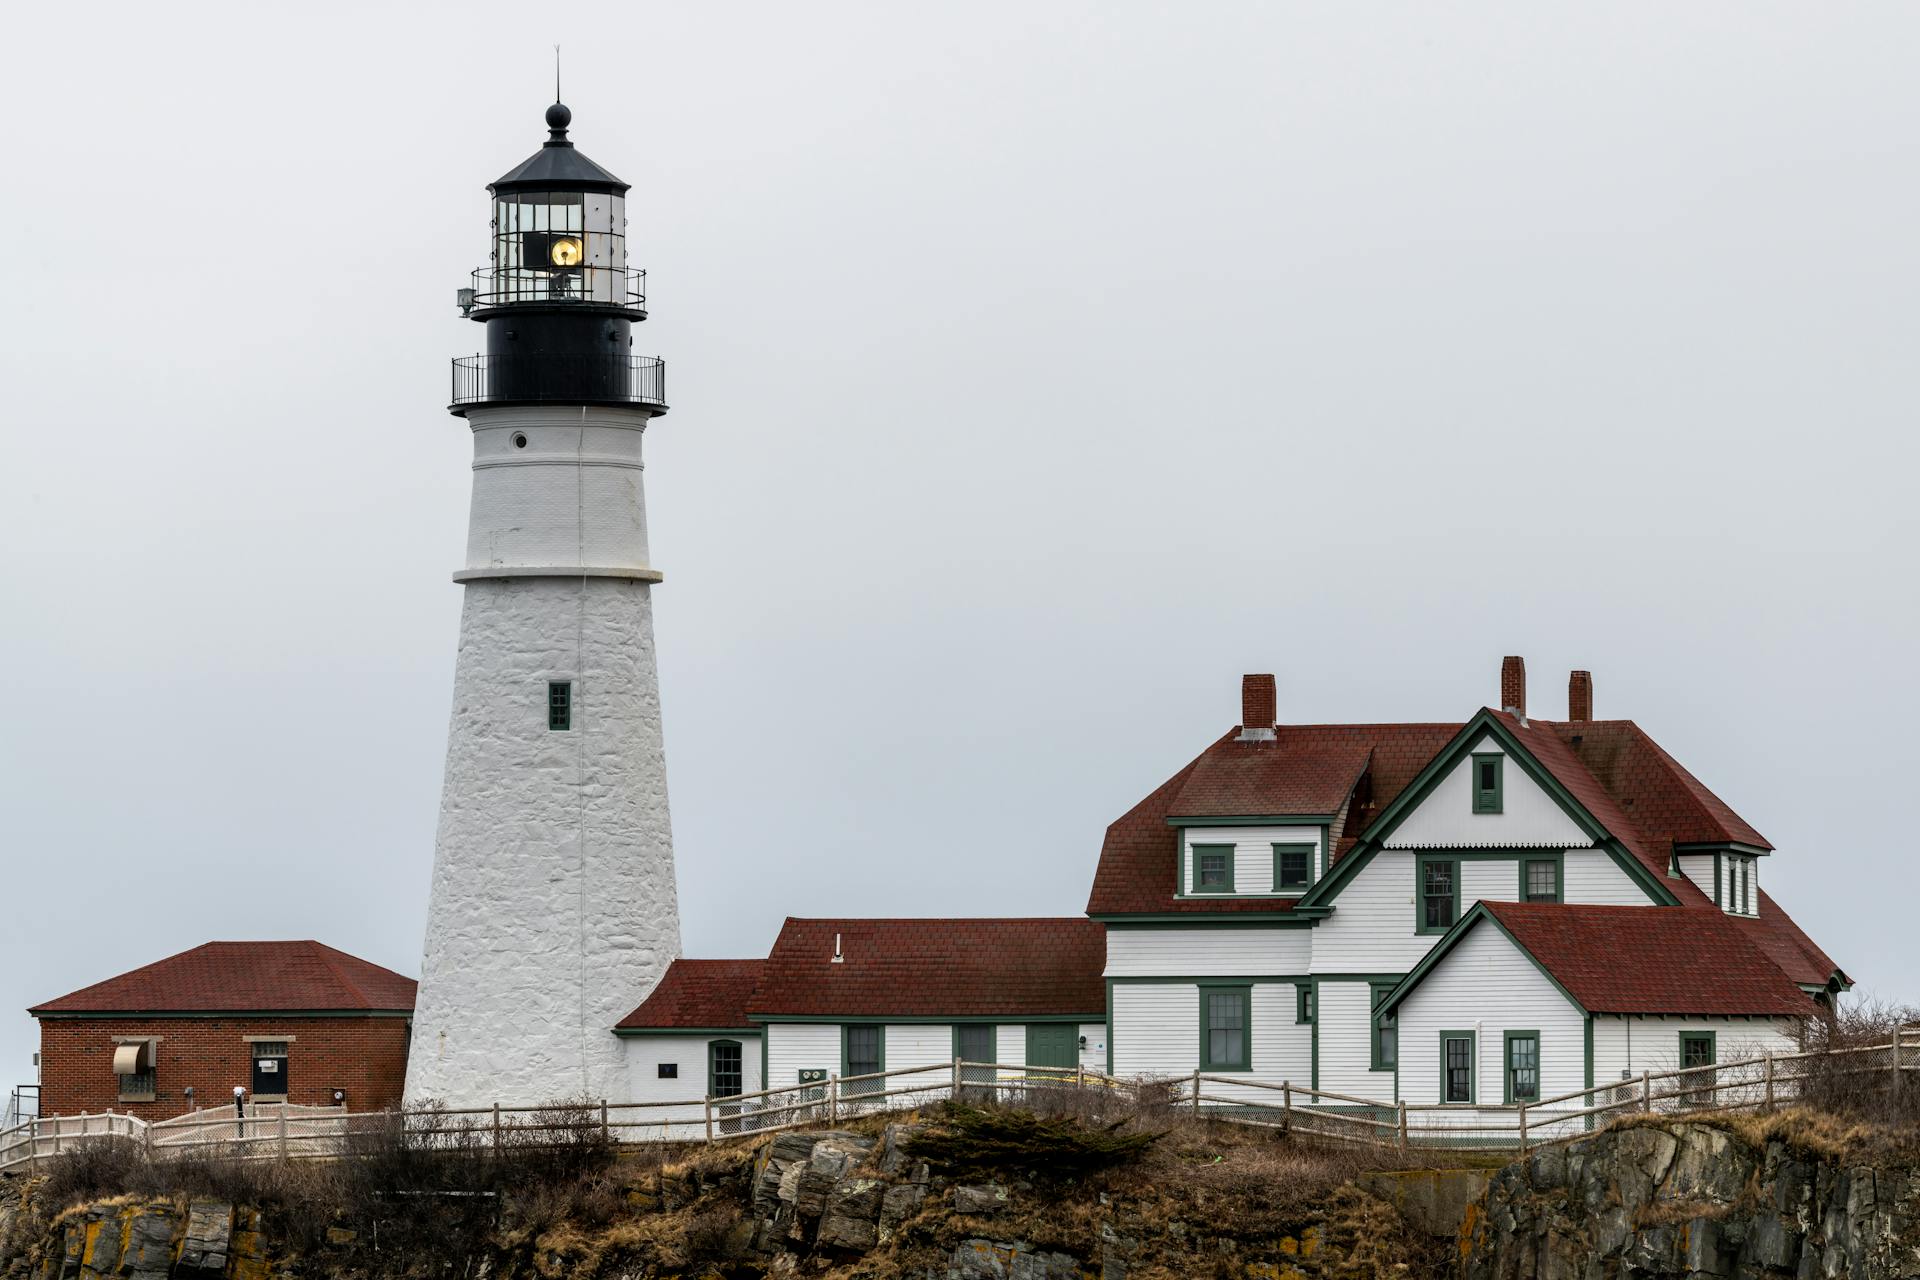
x=567 y=378
x=624 y=287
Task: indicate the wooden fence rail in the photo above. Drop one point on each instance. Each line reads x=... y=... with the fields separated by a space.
x=280 y=1131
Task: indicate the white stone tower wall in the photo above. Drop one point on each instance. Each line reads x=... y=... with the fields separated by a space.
x=553 y=909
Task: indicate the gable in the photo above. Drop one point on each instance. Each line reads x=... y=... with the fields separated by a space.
x=1445 y=816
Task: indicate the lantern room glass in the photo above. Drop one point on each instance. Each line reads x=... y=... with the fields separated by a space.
x=559 y=246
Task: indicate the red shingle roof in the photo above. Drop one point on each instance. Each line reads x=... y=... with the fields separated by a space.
x=935 y=968
x=699 y=993
x=1140 y=857
x=234 y=977
x=1669 y=803
x=1775 y=933
x=1651 y=959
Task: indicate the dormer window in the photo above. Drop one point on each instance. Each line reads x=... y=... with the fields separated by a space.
x=1292 y=867
x=1486 y=783
x=1213 y=868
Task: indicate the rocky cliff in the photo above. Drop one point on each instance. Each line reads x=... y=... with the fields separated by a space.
x=1222 y=1203
x=1755 y=1198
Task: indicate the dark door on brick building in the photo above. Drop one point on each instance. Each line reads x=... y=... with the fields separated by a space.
x=270 y=1068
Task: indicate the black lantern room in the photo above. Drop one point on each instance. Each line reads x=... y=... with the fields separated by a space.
x=558 y=300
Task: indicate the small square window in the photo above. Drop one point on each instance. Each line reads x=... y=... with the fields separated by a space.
x=1543 y=880
x=1292 y=866
x=669 y=1070
x=559 y=704
x=1213 y=868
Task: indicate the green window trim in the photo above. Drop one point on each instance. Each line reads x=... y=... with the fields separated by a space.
x=713 y=1072
x=559 y=705
x=1712 y=1039
x=1420 y=865
x=1301 y=853
x=1472 y=1069
x=1558 y=865
x=880 y=1050
x=1489 y=771
x=1508 y=1094
x=1382 y=1028
x=1242 y=1061
x=1303 y=1003
x=1201 y=852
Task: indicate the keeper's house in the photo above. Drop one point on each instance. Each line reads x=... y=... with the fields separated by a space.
x=1472 y=914
x=287 y=1021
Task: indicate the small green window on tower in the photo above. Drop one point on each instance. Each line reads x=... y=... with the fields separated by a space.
x=559 y=704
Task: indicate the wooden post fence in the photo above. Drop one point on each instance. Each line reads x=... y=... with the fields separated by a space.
x=1196 y=1092
x=1286 y=1106
x=283 y=1133
x=956 y=1077
x=1523 y=1121
x=1769 y=1095
x=833 y=1099
x=1401 y=1125
x=606 y=1130
x=496 y=1127
x=1646 y=1092
x=706 y=1110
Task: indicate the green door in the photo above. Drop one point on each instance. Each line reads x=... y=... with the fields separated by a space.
x=1053 y=1044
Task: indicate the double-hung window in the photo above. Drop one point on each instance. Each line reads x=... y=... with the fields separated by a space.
x=1439 y=890
x=1523 y=1066
x=1213 y=868
x=1698 y=1053
x=1303 y=1002
x=559 y=705
x=865 y=1056
x=1456 y=1066
x=1292 y=867
x=1486 y=782
x=1226 y=1016
x=1539 y=880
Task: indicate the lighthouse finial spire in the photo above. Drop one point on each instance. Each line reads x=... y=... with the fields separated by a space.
x=556 y=73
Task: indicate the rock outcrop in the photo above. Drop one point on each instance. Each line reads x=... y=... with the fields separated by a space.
x=1696 y=1200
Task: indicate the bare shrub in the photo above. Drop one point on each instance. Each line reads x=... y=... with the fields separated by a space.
x=1855 y=1076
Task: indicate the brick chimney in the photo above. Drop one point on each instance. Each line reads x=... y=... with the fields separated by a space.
x=1580 y=696
x=1513 y=686
x=1257 y=703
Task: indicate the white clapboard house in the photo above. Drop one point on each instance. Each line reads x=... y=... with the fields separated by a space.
x=1472 y=914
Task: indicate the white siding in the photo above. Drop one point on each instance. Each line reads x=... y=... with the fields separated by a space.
x=1488 y=986
x=1156 y=1032
x=793 y=1046
x=1010 y=1043
x=1626 y=1046
x=1498 y=881
x=1445 y=818
x=1207 y=952
x=689 y=1054
x=1593 y=876
x=1252 y=856
x=1093 y=1046
x=1346 y=1044
x=1371 y=928
x=920 y=1044
x=1698 y=867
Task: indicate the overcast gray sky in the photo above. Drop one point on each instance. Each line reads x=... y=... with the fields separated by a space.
x=1036 y=370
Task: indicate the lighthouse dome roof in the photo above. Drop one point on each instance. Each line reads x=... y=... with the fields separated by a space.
x=558 y=165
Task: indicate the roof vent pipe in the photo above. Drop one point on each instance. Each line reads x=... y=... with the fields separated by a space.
x=1513 y=686
x=837 y=957
x=1580 y=696
x=1258 y=703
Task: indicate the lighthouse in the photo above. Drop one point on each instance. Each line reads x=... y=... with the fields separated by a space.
x=553 y=908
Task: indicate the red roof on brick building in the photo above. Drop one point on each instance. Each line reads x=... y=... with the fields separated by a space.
x=242 y=977
x=711 y=994
x=1671 y=960
x=935 y=968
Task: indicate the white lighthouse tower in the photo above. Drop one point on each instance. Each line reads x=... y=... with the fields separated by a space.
x=553 y=909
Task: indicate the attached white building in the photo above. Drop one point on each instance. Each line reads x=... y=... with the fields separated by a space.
x=1583 y=995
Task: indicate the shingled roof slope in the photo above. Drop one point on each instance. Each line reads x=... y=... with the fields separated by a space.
x=1659 y=960
x=1139 y=859
x=908 y=968
x=1669 y=803
x=699 y=993
x=233 y=977
x=1775 y=933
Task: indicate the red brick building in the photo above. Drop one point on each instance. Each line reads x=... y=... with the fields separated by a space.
x=292 y=1021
